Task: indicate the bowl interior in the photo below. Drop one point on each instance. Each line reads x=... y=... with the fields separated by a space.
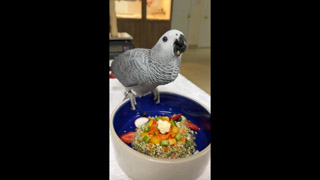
x=170 y=103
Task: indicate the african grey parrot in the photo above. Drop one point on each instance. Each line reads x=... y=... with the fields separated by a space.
x=143 y=70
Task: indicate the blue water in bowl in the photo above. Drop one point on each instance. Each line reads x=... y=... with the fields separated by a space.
x=170 y=104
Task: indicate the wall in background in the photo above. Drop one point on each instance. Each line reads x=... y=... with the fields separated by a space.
x=195 y=21
x=181 y=13
x=192 y=17
x=205 y=28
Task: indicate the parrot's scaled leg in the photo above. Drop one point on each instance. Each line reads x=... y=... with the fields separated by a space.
x=156 y=95
x=126 y=96
x=131 y=96
x=134 y=100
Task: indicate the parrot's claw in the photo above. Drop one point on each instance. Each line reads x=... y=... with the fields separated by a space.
x=131 y=96
x=156 y=96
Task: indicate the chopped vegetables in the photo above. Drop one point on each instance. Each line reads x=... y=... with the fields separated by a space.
x=144 y=134
x=183 y=139
x=146 y=139
x=155 y=140
x=175 y=117
x=173 y=124
x=178 y=137
x=128 y=137
x=172 y=141
x=164 y=143
x=140 y=121
x=192 y=126
x=146 y=129
x=164 y=126
x=165 y=137
x=150 y=123
x=175 y=130
x=165 y=118
x=187 y=144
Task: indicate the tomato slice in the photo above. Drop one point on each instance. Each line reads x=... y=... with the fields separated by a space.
x=192 y=126
x=128 y=137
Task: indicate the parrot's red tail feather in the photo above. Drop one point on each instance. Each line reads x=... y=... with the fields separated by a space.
x=111 y=76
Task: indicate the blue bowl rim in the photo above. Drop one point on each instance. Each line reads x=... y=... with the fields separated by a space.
x=117 y=139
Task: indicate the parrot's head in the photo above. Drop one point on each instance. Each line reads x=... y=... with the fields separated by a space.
x=172 y=43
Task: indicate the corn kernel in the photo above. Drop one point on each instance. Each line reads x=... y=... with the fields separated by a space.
x=154 y=140
x=150 y=123
x=166 y=118
x=175 y=130
x=144 y=134
x=172 y=141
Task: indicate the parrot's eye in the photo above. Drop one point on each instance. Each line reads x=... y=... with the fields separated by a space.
x=165 y=39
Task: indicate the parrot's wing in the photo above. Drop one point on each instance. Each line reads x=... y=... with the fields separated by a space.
x=130 y=68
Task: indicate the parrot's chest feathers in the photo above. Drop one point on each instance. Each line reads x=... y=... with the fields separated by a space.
x=164 y=73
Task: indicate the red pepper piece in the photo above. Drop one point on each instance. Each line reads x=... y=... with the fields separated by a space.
x=175 y=117
x=128 y=137
x=192 y=126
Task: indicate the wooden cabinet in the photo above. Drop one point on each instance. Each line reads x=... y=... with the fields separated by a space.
x=144 y=20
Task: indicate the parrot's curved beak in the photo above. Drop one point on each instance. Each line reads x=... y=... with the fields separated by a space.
x=179 y=45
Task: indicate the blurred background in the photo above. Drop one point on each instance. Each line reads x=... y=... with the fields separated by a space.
x=140 y=24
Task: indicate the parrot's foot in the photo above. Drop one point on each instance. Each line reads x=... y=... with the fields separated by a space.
x=156 y=95
x=131 y=96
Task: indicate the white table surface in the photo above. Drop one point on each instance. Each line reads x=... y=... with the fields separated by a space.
x=181 y=85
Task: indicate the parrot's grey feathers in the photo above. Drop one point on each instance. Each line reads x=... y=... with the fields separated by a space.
x=127 y=67
x=142 y=70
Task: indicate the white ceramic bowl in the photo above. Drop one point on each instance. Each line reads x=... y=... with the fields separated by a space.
x=139 y=166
